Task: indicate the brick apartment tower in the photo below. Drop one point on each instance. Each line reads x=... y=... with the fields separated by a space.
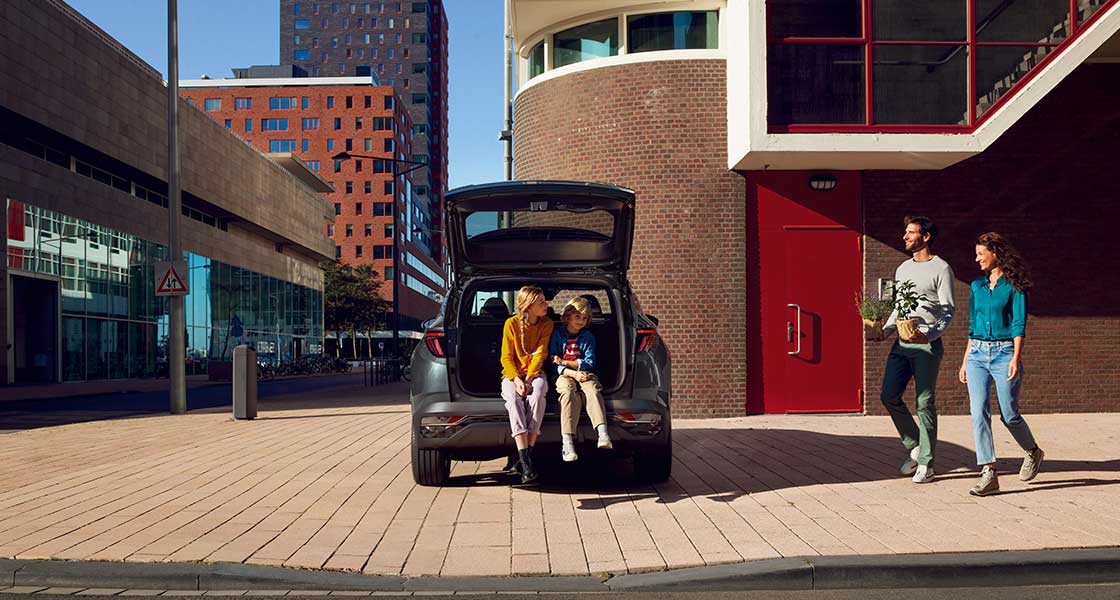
x=405 y=45
x=315 y=119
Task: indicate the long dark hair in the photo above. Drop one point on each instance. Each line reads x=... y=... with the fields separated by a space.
x=1008 y=259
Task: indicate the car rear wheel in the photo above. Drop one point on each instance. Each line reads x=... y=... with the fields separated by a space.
x=429 y=467
x=654 y=465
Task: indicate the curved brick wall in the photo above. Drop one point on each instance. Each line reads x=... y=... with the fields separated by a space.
x=659 y=128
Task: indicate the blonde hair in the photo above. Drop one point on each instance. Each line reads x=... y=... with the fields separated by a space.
x=578 y=304
x=525 y=298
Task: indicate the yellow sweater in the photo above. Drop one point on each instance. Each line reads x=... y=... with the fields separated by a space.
x=529 y=359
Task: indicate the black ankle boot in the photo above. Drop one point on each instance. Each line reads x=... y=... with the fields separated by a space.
x=528 y=473
x=513 y=465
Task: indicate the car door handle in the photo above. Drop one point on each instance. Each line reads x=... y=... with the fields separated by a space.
x=790 y=330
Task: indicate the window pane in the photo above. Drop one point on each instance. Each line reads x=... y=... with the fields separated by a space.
x=536 y=60
x=673 y=31
x=921 y=85
x=1030 y=21
x=585 y=42
x=1000 y=67
x=815 y=83
x=815 y=18
x=941 y=21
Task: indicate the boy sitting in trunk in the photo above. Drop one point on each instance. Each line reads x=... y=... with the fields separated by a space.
x=573 y=353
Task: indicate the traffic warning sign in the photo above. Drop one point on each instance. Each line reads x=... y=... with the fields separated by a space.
x=169 y=279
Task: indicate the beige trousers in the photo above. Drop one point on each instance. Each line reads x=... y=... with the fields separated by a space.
x=573 y=395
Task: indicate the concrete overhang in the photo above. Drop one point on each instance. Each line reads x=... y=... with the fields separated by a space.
x=300 y=170
x=752 y=147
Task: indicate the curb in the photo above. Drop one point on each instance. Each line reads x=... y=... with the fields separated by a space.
x=964 y=569
x=1015 y=568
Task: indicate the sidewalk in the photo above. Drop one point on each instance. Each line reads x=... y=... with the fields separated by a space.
x=322 y=481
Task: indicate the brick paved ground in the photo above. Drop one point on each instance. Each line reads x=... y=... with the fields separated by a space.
x=325 y=483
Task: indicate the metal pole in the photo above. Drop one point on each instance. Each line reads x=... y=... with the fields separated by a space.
x=176 y=352
x=396 y=277
x=508 y=99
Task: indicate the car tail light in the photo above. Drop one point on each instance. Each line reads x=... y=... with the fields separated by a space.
x=434 y=340
x=638 y=418
x=647 y=339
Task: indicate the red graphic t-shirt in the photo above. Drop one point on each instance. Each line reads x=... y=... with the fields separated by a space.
x=571 y=349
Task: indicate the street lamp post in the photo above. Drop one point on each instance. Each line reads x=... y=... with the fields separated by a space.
x=176 y=351
x=396 y=237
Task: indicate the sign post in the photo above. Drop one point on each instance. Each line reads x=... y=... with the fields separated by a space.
x=176 y=350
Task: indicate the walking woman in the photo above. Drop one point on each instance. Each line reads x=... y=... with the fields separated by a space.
x=997 y=322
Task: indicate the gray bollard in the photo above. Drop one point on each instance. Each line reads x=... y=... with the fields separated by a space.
x=244 y=382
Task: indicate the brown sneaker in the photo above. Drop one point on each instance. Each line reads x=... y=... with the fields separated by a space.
x=988 y=484
x=1031 y=464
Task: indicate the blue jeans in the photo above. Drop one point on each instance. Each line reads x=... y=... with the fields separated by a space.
x=988 y=362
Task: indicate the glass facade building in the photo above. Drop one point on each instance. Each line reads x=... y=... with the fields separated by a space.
x=112 y=326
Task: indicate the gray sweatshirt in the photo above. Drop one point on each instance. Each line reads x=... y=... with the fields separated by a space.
x=933 y=279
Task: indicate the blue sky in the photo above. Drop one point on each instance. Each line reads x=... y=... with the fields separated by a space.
x=217 y=35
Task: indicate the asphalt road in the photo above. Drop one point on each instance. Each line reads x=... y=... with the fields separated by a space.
x=1073 y=592
x=31 y=414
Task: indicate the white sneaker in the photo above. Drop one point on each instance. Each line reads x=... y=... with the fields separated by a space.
x=568 y=452
x=923 y=474
x=605 y=442
x=910 y=464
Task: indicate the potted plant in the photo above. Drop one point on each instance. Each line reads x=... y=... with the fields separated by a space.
x=874 y=312
x=905 y=302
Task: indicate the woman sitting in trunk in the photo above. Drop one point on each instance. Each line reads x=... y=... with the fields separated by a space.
x=573 y=352
x=525 y=339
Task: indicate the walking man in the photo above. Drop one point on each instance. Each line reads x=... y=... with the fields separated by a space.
x=919 y=357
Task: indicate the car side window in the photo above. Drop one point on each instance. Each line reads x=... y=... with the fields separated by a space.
x=489 y=305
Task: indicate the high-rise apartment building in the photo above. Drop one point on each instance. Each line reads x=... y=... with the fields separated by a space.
x=405 y=45
x=377 y=213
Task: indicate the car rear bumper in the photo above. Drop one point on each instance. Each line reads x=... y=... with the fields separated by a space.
x=485 y=425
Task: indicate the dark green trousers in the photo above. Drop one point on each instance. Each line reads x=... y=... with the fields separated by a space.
x=920 y=362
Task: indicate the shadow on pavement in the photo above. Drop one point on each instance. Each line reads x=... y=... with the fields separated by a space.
x=725 y=464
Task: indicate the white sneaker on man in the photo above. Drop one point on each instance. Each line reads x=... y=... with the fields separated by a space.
x=604 y=442
x=911 y=463
x=923 y=474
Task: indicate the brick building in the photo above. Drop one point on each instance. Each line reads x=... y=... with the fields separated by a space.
x=83 y=179
x=403 y=44
x=775 y=154
x=316 y=119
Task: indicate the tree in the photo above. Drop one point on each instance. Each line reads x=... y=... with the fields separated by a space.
x=371 y=308
x=351 y=300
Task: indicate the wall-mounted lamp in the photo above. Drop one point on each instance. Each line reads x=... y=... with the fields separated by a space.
x=822 y=182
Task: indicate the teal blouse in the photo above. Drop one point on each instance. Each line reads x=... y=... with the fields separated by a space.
x=998 y=314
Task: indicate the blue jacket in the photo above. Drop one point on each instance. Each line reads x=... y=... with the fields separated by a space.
x=584 y=339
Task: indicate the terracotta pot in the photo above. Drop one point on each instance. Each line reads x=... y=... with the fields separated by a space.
x=907 y=328
x=872 y=330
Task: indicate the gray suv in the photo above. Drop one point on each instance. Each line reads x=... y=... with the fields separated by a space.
x=571 y=239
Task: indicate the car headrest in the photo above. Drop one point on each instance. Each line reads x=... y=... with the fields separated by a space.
x=593 y=302
x=496 y=308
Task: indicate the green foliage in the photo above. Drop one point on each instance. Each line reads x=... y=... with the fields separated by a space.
x=906 y=300
x=873 y=308
x=352 y=298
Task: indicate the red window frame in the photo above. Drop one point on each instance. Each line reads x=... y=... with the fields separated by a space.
x=869 y=44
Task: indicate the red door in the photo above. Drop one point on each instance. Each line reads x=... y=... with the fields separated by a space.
x=808 y=354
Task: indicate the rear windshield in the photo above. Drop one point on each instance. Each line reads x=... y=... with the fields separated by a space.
x=499 y=304
x=597 y=221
